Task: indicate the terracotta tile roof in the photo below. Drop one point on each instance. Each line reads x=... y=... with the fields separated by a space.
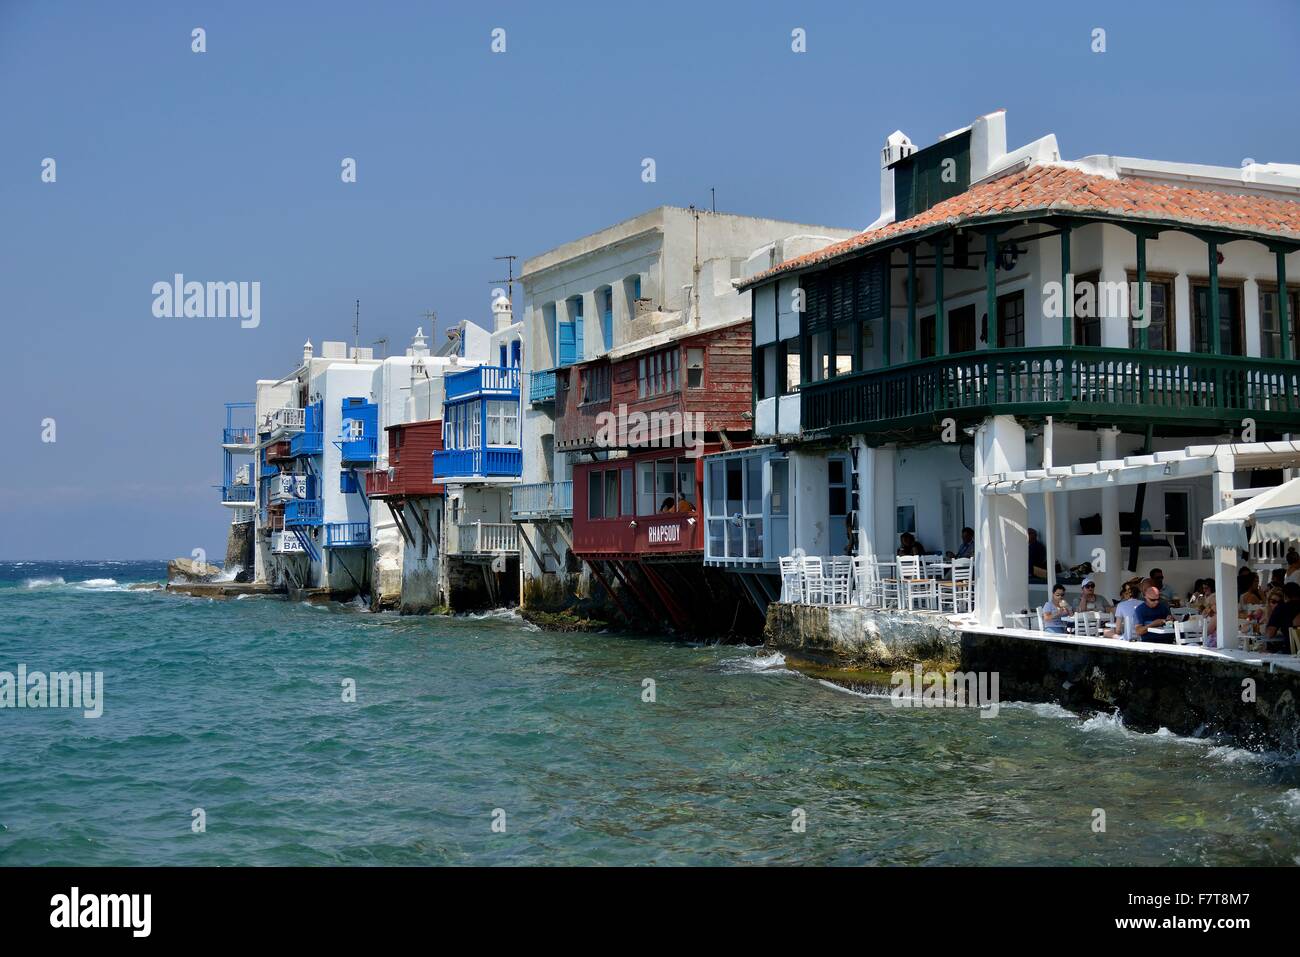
x=1041 y=189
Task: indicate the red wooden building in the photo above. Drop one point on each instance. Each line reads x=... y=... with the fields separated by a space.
x=660 y=378
x=409 y=475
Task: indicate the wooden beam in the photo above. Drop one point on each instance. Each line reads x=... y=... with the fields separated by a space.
x=911 y=303
x=940 y=339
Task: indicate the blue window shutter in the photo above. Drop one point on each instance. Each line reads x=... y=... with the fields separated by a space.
x=636 y=287
x=514 y=353
x=578 y=349
x=566 y=343
x=608 y=319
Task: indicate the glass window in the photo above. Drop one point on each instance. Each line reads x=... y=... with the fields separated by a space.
x=821 y=357
x=595 y=494
x=1270 y=324
x=1011 y=319
x=753 y=485
x=611 y=494
x=625 y=482
x=779 y=507
x=645 y=488
x=1230 y=343
x=665 y=485
x=792 y=370
x=686 y=485
x=1160 y=331
x=695 y=368
x=503 y=422
x=843 y=350
x=1086 y=310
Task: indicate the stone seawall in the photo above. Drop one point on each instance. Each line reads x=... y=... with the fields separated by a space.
x=847 y=636
x=1244 y=698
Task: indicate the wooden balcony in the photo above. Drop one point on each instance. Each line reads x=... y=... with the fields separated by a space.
x=485 y=538
x=410 y=462
x=1185 y=392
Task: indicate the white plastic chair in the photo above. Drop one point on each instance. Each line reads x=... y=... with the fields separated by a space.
x=1038 y=620
x=791 y=579
x=814 y=582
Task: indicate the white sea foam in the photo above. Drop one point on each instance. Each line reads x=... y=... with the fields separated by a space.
x=857 y=694
x=1043 y=709
x=228 y=574
x=98 y=583
x=773 y=664
x=44 y=582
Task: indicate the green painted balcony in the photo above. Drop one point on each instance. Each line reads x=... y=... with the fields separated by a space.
x=1182 y=391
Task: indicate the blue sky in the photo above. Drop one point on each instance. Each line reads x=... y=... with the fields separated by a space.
x=225 y=166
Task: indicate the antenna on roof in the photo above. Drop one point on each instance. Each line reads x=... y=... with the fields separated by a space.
x=432 y=318
x=510 y=278
x=356 y=332
x=713 y=198
x=382 y=342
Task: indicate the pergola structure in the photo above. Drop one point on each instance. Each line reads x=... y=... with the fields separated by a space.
x=1220 y=462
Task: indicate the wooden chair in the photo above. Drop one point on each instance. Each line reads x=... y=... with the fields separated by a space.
x=839 y=580
x=866 y=583
x=814 y=582
x=1087 y=624
x=791 y=579
x=914 y=585
x=958 y=594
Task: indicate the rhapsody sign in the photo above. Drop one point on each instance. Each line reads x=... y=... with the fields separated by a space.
x=653 y=430
x=664 y=534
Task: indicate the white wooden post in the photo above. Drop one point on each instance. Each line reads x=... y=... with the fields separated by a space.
x=1225 y=559
x=1049 y=511
x=1113 y=577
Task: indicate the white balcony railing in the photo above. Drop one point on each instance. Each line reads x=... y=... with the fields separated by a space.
x=282 y=421
x=487 y=538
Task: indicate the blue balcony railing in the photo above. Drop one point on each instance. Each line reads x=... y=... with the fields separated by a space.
x=359 y=450
x=238 y=436
x=541 y=386
x=307 y=443
x=304 y=511
x=492 y=380
x=237 y=493
x=542 y=500
x=347 y=534
x=481 y=463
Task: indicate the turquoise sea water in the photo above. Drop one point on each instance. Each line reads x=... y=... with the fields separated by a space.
x=235 y=707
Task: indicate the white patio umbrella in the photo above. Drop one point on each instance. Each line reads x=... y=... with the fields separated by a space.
x=1278 y=509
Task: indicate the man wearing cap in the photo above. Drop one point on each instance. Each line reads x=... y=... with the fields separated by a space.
x=1089 y=600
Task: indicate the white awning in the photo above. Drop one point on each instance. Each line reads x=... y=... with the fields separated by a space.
x=1278 y=507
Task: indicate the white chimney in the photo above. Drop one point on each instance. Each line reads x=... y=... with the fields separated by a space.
x=988 y=144
x=502 y=314
x=897 y=145
x=419 y=345
x=307 y=352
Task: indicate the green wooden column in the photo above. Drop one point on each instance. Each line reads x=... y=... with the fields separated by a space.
x=1142 y=304
x=1283 y=306
x=1215 y=338
x=991 y=287
x=1067 y=310
x=911 y=303
x=886 y=295
x=940 y=336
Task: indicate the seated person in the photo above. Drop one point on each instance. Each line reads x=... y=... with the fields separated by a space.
x=1152 y=613
x=1037 y=556
x=1283 y=614
x=1243 y=579
x=1251 y=594
x=1054 y=610
x=908 y=545
x=1128 y=602
x=685 y=505
x=1089 y=600
x=1157 y=577
x=669 y=505
x=1277 y=579
x=967 y=547
x=1293 y=566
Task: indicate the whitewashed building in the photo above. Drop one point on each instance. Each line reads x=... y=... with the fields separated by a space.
x=1009 y=317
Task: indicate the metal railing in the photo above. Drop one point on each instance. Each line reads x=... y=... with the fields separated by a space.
x=238 y=436
x=359 y=450
x=347 y=534
x=1083 y=383
x=488 y=463
x=542 y=500
x=487 y=538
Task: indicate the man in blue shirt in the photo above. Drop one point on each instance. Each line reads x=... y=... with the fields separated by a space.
x=1152 y=613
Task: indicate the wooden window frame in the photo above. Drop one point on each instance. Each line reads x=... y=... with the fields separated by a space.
x=1171 y=308
x=1225 y=283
